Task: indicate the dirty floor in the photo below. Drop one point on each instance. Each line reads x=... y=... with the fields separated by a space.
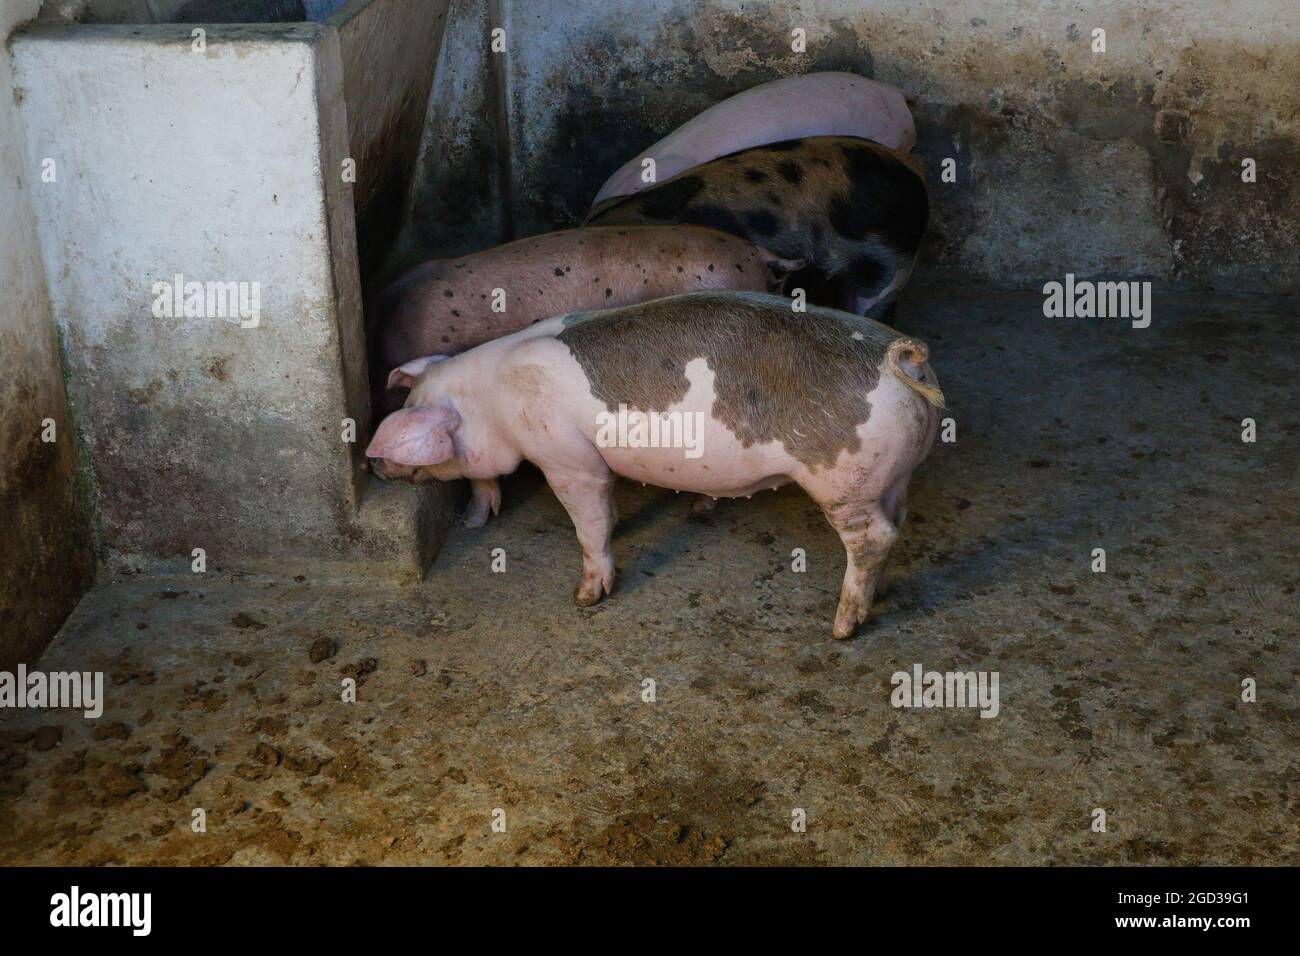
x=482 y=691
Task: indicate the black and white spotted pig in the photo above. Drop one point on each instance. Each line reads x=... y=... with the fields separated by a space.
x=853 y=209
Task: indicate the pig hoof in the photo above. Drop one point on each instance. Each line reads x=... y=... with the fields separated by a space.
x=486 y=501
x=847 y=619
x=593 y=587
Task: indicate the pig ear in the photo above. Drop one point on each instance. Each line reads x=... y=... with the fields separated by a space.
x=404 y=375
x=418 y=435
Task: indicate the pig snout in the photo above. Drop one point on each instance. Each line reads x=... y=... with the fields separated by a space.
x=390 y=471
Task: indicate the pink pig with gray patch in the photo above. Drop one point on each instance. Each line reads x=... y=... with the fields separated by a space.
x=763 y=396
x=817 y=104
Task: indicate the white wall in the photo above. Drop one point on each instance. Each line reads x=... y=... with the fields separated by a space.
x=223 y=166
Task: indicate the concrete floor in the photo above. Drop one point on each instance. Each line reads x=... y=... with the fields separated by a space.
x=480 y=690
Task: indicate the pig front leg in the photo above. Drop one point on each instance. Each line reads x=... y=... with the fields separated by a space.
x=486 y=499
x=588 y=496
x=868 y=536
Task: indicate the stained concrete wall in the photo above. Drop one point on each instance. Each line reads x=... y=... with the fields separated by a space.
x=46 y=553
x=188 y=11
x=204 y=433
x=389 y=50
x=458 y=198
x=1126 y=161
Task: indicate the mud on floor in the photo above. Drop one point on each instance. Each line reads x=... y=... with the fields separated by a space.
x=479 y=691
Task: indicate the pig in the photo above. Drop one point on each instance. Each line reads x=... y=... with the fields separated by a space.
x=445 y=306
x=839 y=404
x=818 y=104
x=851 y=208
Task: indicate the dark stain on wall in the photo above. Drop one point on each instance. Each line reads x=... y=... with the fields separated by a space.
x=381 y=198
x=241 y=11
x=47 y=558
x=597 y=129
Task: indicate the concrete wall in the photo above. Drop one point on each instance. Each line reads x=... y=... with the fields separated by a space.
x=188 y=11
x=388 y=51
x=226 y=11
x=46 y=553
x=204 y=433
x=457 y=200
x=1126 y=161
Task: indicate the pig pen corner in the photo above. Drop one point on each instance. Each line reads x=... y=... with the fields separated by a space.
x=339 y=671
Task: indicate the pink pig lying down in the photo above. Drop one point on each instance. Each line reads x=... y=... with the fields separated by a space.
x=445 y=306
x=818 y=104
x=748 y=395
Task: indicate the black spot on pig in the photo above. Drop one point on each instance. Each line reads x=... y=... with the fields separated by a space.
x=755 y=175
x=888 y=197
x=448 y=293
x=718 y=217
x=790 y=172
x=671 y=196
x=559 y=271
x=869 y=272
x=761 y=223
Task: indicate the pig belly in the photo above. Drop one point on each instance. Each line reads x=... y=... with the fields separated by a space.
x=726 y=470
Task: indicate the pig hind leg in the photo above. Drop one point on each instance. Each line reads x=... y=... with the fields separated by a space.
x=868 y=535
x=588 y=497
x=894 y=505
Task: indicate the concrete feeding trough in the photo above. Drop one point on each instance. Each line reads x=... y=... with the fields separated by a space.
x=216 y=190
